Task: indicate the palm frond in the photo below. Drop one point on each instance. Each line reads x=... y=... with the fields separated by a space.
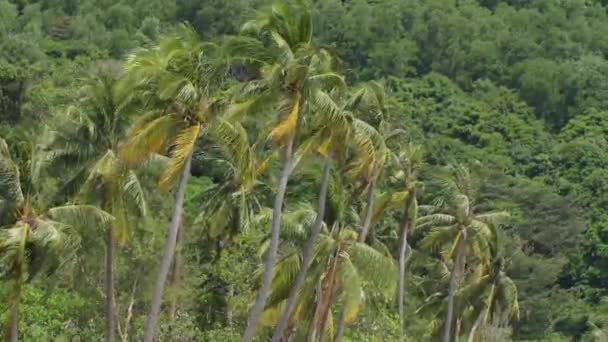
x=81 y=216
x=435 y=220
x=439 y=237
x=374 y=267
x=182 y=149
x=154 y=137
x=133 y=190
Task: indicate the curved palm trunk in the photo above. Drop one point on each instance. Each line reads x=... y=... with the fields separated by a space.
x=110 y=318
x=369 y=212
x=454 y=287
x=168 y=253
x=476 y=325
x=307 y=255
x=271 y=257
x=405 y=224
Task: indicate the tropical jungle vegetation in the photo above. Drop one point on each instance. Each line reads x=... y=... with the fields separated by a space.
x=304 y=170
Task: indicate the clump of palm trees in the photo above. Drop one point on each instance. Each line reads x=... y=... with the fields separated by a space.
x=265 y=97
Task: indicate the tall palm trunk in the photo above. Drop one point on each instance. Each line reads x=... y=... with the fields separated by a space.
x=476 y=325
x=110 y=318
x=312 y=331
x=401 y=280
x=329 y=294
x=369 y=211
x=178 y=267
x=13 y=333
x=271 y=256
x=307 y=255
x=168 y=253
x=405 y=224
x=229 y=312
x=341 y=327
x=454 y=279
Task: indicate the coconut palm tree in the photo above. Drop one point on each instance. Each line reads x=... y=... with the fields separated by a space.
x=459 y=230
x=409 y=160
x=342 y=271
x=82 y=147
x=493 y=295
x=290 y=72
x=332 y=127
x=34 y=237
x=232 y=203
x=407 y=163
x=176 y=88
x=488 y=296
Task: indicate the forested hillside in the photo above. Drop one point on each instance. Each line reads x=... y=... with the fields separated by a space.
x=304 y=170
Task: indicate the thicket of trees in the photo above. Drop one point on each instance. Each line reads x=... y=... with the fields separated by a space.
x=303 y=170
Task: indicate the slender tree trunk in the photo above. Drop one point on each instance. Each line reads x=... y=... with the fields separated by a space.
x=369 y=212
x=271 y=256
x=110 y=322
x=178 y=267
x=401 y=280
x=312 y=333
x=307 y=255
x=476 y=325
x=168 y=253
x=405 y=224
x=341 y=327
x=453 y=288
x=329 y=294
x=13 y=333
x=124 y=332
x=229 y=312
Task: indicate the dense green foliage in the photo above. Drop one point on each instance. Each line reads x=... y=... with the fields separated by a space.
x=512 y=89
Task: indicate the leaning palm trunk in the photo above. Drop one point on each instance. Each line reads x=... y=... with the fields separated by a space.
x=369 y=211
x=312 y=331
x=178 y=267
x=328 y=296
x=110 y=322
x=405 y=224
x=168 y=253
x=454 y=286
x=476 y=325
x=271 y=256
x=307 y=255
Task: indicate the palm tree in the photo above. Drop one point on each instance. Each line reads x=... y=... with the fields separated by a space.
x=35 y=237
x=342 y=271
x=177 y=88
x=83 y=145
x=231 y=203
x=459 y=231
x=409 y=160
x=290 y=74
x=493 y=295
x=488 y=296
x=333 y=126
